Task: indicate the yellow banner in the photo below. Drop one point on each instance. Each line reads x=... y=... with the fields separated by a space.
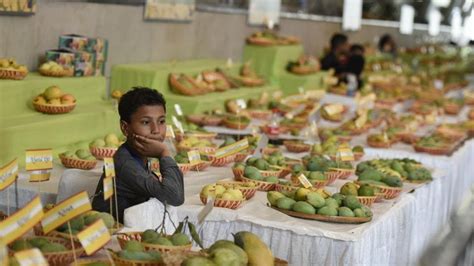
x=65 y=211
x=31 y=257
x=40 y=175
x=94 y=237
x=41 y=159
x=22 y=221
x=232 y=148
x=109 y=167
x=8 y=174
x=194 y=157
x=304 y=181
x=3 y=254
x=108 y=187
x=345 y=154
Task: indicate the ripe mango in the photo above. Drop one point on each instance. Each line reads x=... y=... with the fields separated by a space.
x=257 y=251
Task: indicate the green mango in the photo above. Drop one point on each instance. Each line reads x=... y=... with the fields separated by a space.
x=303 y=207
x=367 y=211
x=38 y=242
x=261 y=164
x=248 y=170
x=316 y=175
x=133 y=245
x=344 y=211
x=330 y=202
x=225 y=256
x=149 y=235
x=21 y=244
x=338 y=197
x=359 y=213
x=371 y=174
x=163 y=241
x=53 y=247
x=349 y=189
x=328 y=211
x=272 y=179
x=254 y=176
x=392 y=181
x=366 y=190
x=230 y=245
x=198 y=261
x=285 y=203
x=315 y=199
x=135 y=255
x=352 y=202
x=180 y=239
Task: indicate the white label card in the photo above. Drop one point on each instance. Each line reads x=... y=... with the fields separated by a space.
x=178 y=109
x=206 y=210
x=304 y=181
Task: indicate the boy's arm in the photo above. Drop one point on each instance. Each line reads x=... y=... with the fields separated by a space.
x=145 y=184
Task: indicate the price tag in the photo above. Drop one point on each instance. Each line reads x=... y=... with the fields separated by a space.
x=31 y=257
x=108 y=187
x=345 y=153
x=8 y=174
x=170 y=132
x=41 y=159
x=332 y=109
x=65 y=211
x=304 y=181
x=94 y=237
x=233 y=148
x=241 y=103
x=178 y=124
x=22 y=221
x=206 y=210
x=262 y=143
x=178 y=109
x=194 y=157
x=362 y=119
x=109 y=167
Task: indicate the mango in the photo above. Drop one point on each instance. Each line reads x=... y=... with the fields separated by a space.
x=328 y=211
x=315 y=199
x=285 y=203
x=349 y=189
x=303 y=207
x=198 y=261
x=352 y=202
x=230 y=245
x=180 y=239
x=344 y=211
x=330 y=202
x=225 y=256
x=272 y=179
x=53 y=247
x=273 y=196
x=133 y=245
x=359 y=213
x=258 y=253
x=366 y=191
x=301 y=193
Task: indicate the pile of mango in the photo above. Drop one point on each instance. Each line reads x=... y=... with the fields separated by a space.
x=391 y=172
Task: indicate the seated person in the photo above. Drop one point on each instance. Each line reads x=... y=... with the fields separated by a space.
x=387 y=45
x=142 y=120
x=337 y=56
x=356 y=62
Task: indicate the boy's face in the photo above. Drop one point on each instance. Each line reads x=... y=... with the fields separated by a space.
x=147 y=121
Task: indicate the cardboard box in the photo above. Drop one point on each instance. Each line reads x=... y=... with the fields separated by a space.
x=76 y=42
x=63 y=57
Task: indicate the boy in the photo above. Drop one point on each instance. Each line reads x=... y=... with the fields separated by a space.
x=142 y=120
x=337 y=56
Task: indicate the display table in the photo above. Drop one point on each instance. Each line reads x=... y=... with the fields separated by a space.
x=289 y=83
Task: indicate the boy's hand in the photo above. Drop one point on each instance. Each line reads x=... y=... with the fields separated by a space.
x=150 y=146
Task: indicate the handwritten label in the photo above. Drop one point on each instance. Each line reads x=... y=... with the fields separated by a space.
x=8 y=174
x=94 y=237
x=39 y=159
x=109 y=167
x=206 y=210
x=65 y=211
x=332 y=109
x=345 y=153
x=22 y=221
x=31 y=257
x=194 y=157
x=178 y=109
x=304 y=181
x=108 y=187
x=233 y=148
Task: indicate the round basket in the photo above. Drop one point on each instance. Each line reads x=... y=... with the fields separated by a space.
x=367 y=200
x=124 y=262
x=238 y=173
x=77 y=163
x=382 y=145
x=343 y=173
x=248 y=192
x=198 y=135
x=332 y=176
x=123 y=238
x=304 y=70
x=379 y=196
x=62 y=257
x=433 y=150
x=260 y=41
x=240 y=157
x=184 y=167
x=101 y=152
x=285 y=188
x=221 y=162
x=221 y=203
x=260 y=114
x=56 y=74
x=205 y=150
x=390 y=192
x=54 y=109
x=407 y=137
x=296 y=147
x=201 y=166
x=204 y=120
x=12 y=74
x=235 y=125
x=269 y=173
x=261 y=185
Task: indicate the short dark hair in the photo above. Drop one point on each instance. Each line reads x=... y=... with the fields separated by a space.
x=357 y=48
x=137 y=97
x=386 y=38
x=337 y=40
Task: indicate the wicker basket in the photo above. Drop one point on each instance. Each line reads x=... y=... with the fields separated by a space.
x=260 y=114
x=12 y=74
x=238 y=173
x=379 y=196
x=294 y=147
x=54 y=109
x=248 y=192
x=261 y=185
x=343 y=173
x=367 y=200
x=390 y=192
x=235 y=125
x=221 y=203
x=433 y=150
x=332 y=176
x=56 y=74
x=240 y=157
x=123 y=238
x=382 y=145
x=221 y=162
x=77 y=163
x=184 y=167
x=102 y=152
x=201 y=166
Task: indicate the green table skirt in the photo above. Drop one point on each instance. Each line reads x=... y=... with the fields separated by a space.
x=289 y=83
x=16 y=95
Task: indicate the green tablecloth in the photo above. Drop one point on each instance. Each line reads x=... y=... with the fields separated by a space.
x=155 y=75
x=289 y=83
x=21 y=127
x=271 y=61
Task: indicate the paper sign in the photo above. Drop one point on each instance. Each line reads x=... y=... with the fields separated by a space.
x=65 y=211
x=407 y=19
x=178 y=109
x=194 y=157
x=332 y=109
x=22 y=221
x=206 y=210
x=31 y=257
x=39 y=159
x=108 y=187
x=262 y=143
x=241 y=103
x=40 y=175
x=8 y=174
x=178 y=124
x=352 y=14
x=109 y=166
x=304 y=181
x=94 y=237
x=170 y=132
x=233 y=148
x=345 y=153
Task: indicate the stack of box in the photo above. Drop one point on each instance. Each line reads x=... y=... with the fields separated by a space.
x=86 y=56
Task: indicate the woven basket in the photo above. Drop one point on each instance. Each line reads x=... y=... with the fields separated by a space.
x=124 y=262
x=382 y=145
x=296 y=147
x=343 y=173
x=56 y=74
x=12 y=74
x=332 y=176
x=221 y=162
x=260 y=41
x=123 y=238
x=235 y=125
x=201 y=166
x=433 y=150
x=77 y=163
x=102 y=152
x=238 y=173
x=260 y=114
x=379 y=196
x=248 y=192
x=261 y=185
x=54 y=109
x=367 y=200
x=390 y=192
x=221 y=203
x=184 y=167
x=240 y=157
